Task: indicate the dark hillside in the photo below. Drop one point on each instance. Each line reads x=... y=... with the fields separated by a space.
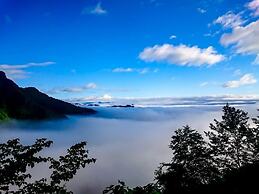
x=30 y=103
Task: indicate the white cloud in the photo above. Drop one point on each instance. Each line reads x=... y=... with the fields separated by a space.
x=229 y=20
x=91 y=86
x=244 y=39
x=138 y=70
x=202 y=11
x=97 y=10
x=7 y=66
x=172 y=37
x=106 y=97
x=181 y=55
x=254 y=6
x=122 y=70
x=247 y=79
x=19 y=71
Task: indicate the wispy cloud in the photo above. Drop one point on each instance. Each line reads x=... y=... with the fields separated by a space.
x=247 y=79
x=229 y=20
x=254 y=6
x=104 y=97
x=181 y=55
x=97 y=10
x=138 y=70
x=72 y=89
x=243 y=39
x=201 y=10
x=212 y=34
x=122 y=70
x=19 y=71
x=172 y=37
x=209 y=83
x=237 y=72
x=203 y=84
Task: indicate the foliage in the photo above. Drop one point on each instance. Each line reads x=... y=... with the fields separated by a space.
x=16 y=159
x=121 y=188
x=232 y=140
x=3 y=115
x=240 y=180
x=191 y=165
x=255 y=138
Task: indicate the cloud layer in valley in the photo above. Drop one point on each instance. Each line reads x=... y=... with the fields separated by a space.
x=216 y=100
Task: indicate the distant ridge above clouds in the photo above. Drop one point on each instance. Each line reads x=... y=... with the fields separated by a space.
x=172 y=101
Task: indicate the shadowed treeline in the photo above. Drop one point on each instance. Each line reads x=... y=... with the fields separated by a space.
x=222 y=160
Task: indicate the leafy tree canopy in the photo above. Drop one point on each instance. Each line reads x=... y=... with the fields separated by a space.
x=232 y=140
x=16 y=159
x=121 y=188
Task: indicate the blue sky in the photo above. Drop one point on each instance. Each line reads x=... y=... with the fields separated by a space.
x=131 y=48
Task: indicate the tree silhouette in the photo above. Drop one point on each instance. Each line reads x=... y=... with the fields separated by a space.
x=191 y=164
x=16 y=159
x=254 y=138
x=232 y=140
x=121 y=188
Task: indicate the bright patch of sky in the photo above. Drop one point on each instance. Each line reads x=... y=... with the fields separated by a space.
x=131 y=48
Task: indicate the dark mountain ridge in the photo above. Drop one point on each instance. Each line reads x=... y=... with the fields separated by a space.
x=30 y=103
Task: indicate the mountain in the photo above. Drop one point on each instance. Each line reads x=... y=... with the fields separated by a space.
x=30 y=103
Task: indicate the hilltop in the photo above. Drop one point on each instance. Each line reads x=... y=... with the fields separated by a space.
x=29 y=103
